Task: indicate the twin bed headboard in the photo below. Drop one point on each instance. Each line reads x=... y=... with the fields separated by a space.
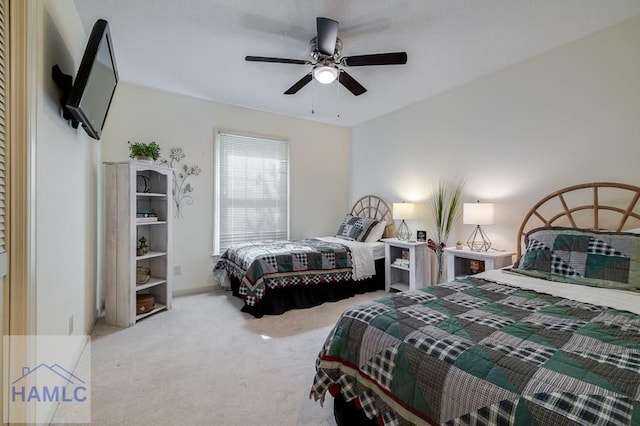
x=374 y=207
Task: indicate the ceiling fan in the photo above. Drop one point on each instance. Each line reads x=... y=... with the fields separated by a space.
x=327 y=60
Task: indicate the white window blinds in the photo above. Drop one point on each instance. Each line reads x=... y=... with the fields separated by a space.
x=252 y=190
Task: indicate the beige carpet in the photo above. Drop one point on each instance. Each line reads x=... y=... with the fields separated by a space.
x=206 y=363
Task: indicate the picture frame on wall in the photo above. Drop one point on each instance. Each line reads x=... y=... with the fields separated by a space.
x=421 y=236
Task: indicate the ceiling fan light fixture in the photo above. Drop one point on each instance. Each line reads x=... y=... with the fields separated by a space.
x=327 y=60
x=325 y=74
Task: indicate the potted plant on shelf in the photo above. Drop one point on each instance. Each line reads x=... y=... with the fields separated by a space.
x=459 y=245
x=144 y=152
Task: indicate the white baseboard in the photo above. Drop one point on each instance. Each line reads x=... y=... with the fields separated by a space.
x=198 y=290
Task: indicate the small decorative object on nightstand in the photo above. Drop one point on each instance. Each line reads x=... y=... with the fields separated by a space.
x=407 y=265
x=462 y=262
x=403 y=211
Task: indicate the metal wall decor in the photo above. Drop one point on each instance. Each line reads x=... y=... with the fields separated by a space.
x=181 y=189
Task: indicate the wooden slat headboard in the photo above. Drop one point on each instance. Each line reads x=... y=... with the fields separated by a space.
x=610 y=206
x=374 y=207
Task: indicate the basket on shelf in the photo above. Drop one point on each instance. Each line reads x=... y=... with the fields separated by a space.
x=144 y=303
x=143 y=275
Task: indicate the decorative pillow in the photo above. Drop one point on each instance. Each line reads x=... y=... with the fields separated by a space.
x=376 y=232
x=355 y=228
x=577 y=256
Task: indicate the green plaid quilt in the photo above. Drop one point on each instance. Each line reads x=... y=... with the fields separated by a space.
x=264 y=265
x=474 y=352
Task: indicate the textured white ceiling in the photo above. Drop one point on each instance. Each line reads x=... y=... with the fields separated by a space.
x=197 y=47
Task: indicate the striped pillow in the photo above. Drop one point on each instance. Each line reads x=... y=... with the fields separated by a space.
x=355 y=228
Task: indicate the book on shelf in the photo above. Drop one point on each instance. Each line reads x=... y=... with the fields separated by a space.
x=146 y=219
x=401 y=262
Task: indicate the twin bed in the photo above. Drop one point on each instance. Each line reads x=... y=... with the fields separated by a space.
x=276 y=276
x=553 y=340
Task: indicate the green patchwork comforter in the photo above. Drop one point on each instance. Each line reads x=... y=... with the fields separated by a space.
x=474 y=352
x=264 y=265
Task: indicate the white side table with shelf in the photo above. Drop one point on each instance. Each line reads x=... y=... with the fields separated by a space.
x=131 y=188
x=414 y=273
x=458 y=261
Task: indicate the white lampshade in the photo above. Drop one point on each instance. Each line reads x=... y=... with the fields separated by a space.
x=325 y=74
x=403 y=210
x=477 y=213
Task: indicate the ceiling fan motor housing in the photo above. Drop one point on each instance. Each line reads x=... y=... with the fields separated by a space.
x=319 y=57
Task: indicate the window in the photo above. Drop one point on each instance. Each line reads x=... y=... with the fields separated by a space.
x=252 y=190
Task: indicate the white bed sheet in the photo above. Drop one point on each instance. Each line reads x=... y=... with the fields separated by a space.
x=363 y=256
x=377 y=246
x=617 y=299
x=378 y=250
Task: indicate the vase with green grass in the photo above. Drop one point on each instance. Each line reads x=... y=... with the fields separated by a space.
x=446 y=209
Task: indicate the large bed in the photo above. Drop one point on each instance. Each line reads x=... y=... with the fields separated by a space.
x=273 y=277
x=552 y=340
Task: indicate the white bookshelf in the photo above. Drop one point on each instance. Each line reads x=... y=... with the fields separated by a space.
x=124 y=199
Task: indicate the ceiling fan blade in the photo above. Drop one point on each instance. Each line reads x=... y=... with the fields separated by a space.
x=277 y=60
x=299 y=85
x=395 y=58
x=351 y=84
x=327 y=35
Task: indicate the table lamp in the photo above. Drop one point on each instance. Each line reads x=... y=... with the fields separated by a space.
x=402 y=211
x=478 y=214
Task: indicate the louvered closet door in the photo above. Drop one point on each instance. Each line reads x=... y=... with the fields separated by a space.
x=3 y=136
x=4 y=67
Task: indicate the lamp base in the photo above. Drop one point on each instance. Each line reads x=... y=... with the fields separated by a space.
x=478 y=240
x=403 y=232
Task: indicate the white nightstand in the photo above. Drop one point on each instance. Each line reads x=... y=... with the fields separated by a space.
x=460 y=262
x=414 y=272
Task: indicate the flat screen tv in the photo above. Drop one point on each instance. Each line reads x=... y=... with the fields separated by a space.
x=95 y=82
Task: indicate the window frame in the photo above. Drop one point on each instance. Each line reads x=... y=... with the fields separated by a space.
x=216 y=178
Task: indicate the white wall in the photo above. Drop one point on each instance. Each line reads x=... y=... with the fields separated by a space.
x=319 y=165
x=67 y=162
x=64 y=193
x=569 y=116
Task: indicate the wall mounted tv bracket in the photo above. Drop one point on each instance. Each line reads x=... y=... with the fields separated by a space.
x=64 y=83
